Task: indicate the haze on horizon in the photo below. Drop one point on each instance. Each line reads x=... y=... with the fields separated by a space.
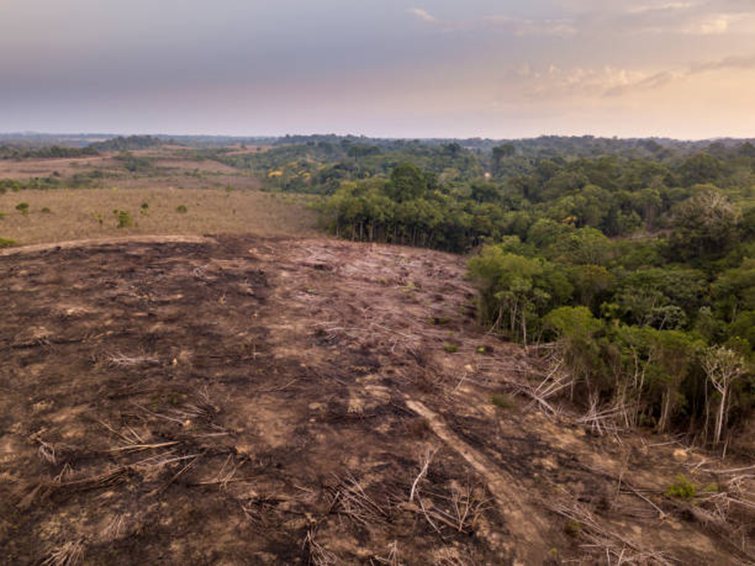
x=389 y=68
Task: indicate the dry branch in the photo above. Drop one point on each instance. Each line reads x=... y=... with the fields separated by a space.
x=605 y=542
x=316 y=554
x=67 y=554
x=350 y=499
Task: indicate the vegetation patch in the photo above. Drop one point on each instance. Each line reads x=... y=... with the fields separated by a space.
x=123 y=218
x=682 y=488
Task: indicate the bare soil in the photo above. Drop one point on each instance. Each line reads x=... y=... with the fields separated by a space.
x=246 y=400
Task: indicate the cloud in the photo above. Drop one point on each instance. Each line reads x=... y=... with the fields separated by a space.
x=424 y=15
x=743 y=63
x=651 y=82
x=682 y=17
x=523 y=27
x=553 y=82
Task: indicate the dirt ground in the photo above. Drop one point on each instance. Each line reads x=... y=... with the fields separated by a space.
x=246 y=400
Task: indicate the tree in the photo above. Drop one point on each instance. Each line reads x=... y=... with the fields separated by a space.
x=723 y=366
x=673 y=352
x=499 y=154
x=699 y=169
x=407 y=183
x=515 y=287
x=705 y=227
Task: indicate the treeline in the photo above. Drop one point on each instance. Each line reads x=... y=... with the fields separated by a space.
x=49 y=152
x=656 y=332
x=457 y=210
x=129 y=143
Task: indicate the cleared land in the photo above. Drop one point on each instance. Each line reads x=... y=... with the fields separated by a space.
x=243 y=400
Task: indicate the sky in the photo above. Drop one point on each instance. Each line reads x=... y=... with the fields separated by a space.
x=387 y=68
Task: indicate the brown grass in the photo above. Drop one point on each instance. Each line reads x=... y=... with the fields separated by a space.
x=76 y=213
x=28 y=168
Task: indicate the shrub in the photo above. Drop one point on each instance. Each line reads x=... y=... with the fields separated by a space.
x=123 y=218
x=46 y=210
x=181 y=209
x=5 y=242
x=144 y=209
x=682 y=488
x=450 y=348
x=23 y=208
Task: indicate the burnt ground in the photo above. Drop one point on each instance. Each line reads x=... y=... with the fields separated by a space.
x=240 y=400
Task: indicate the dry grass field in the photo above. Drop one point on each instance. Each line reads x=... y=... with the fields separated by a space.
x=88 y=213
x=217 y=197
x=171 y=168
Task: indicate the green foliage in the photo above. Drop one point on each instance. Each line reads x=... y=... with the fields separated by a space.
x=45 y=210
x=181 y=209
x=123 y=218
x=5 y=242
x=407 y=183
x=23 y=208
x=682 y=488
x=450 y=348
x=705 y=227
x=134 y=164
x=515 y=290
x=502 y=401
x=121 y=143
x=47 y=152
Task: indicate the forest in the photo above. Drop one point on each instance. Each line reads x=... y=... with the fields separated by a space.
x=633 y=263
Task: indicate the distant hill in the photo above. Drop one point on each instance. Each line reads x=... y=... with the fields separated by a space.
x=126 y=143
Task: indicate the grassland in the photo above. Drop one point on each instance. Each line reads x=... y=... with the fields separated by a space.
x=88 y=213
x=150 y=187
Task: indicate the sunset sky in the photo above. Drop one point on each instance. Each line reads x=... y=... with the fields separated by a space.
x=394 y=68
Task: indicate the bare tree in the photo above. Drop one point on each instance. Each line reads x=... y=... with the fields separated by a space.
x=723 y=366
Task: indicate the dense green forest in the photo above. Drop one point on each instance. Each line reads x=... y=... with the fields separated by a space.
x=635 y=260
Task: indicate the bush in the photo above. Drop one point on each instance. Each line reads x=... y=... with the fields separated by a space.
x=450 y=348
x=23 y=208
x=5 y=242
x=46 y=210
x=123 y=218
x=682 y=488
x=181 y=209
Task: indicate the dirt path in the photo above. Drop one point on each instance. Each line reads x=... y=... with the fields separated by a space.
x=524 y=522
